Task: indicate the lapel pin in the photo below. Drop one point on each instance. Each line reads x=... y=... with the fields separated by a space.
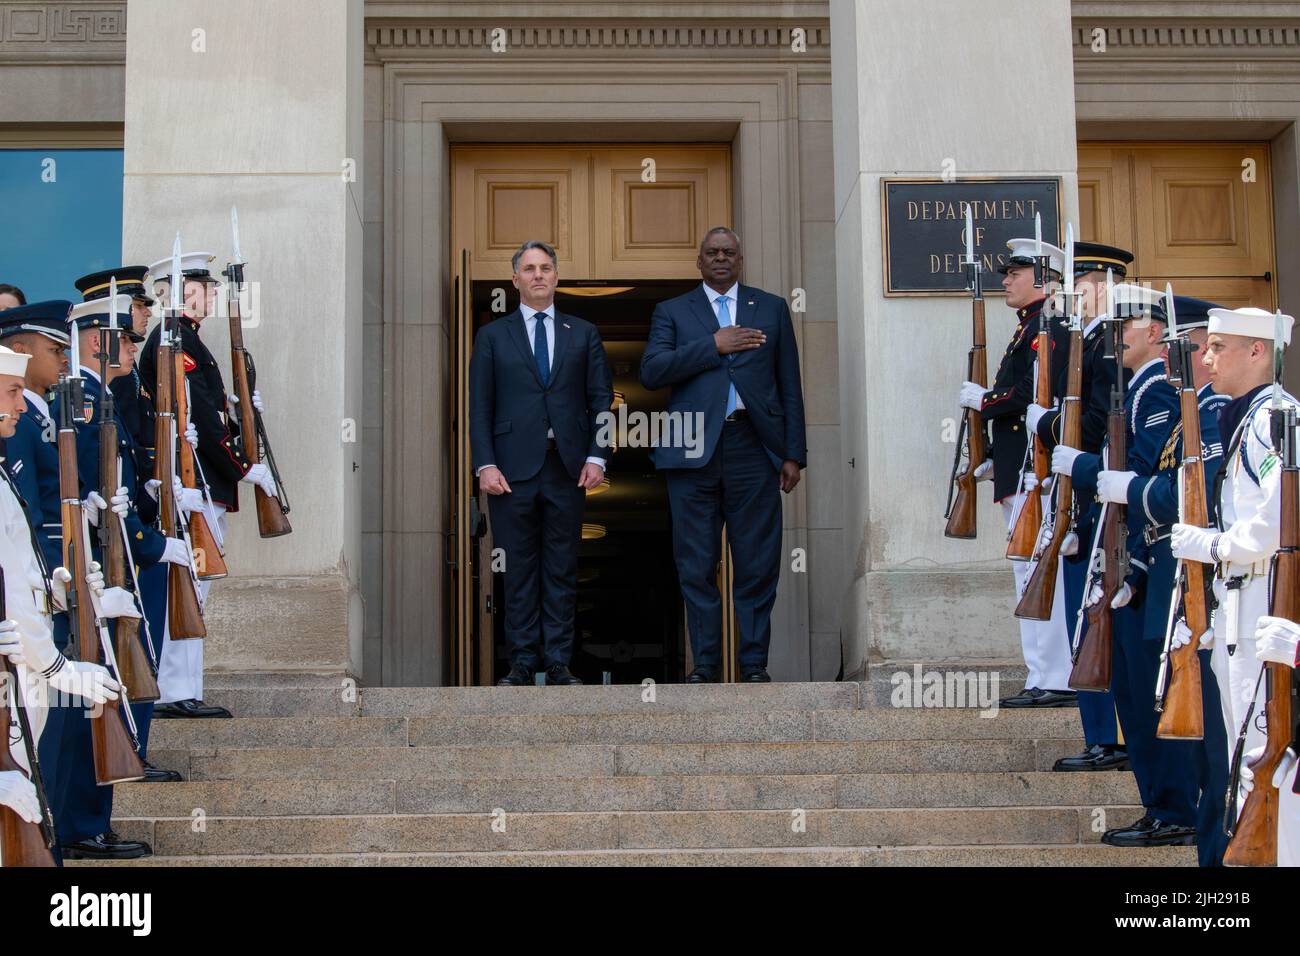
x=566 y=325
x=750 y=302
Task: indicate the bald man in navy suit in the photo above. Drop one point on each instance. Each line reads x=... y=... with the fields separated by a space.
x=729 y=354
x=538 y=383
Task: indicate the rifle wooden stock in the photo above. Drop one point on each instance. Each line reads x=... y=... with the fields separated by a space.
x=137 y=673
x=1040 y=590
x=21 y=843
x=962 y=519
x=1092 y=666
x=272 y=522
x=1254 y=841
x=116 y=760
x=1182 y=717
x=184 y=617
x=209 y=563
x=1029 y=521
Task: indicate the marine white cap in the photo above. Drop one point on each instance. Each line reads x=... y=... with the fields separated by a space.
x=1023 y=252
x=1256 y=323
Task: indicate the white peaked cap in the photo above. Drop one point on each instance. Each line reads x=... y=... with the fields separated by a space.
x=100 y=307
x=1137 y=300
x=1253 y=322
x=191 y=262
x=13 y=363
x=1023 y=254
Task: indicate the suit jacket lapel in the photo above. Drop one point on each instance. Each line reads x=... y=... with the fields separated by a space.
x=704 y=310
x=746 y=306
x=519 y=335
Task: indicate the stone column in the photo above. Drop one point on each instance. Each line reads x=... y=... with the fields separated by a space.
x=258 y=105
x=916 y=83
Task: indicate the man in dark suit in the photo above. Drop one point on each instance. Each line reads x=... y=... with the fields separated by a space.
x=729 y=353
x=538 y=380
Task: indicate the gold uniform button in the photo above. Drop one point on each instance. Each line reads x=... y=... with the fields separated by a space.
x=139 y=536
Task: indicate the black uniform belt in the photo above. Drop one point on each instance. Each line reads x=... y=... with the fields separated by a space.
x=739 y=415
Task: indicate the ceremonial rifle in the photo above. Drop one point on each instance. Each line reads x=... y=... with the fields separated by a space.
x=960 y=515
x=184 y=617
x=1178 y=687
x=1092 y=661
x=272 y=512
x=137 y=671
x=1254 y=840
x=22 y=843
x=1029 y=519
x=1036 y=601
x=116 y=754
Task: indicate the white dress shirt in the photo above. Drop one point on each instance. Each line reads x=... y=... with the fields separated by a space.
x=730 y=295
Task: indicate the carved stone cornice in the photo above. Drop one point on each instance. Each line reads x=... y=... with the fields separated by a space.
x=707 y=39
x=91 y=31
x=1169 y=41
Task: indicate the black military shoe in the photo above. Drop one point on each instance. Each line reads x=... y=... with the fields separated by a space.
x=1149 y=831
x=189 y=708
x=701 y=675
x=519 y=676
x=1096 y=757
x=1019 y=700
x=757 y=676
x=154 y=774
x=106 y=846
x=1042 y=698
x=559 y=674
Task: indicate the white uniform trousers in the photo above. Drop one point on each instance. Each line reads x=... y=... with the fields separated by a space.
x=180 y=671
x=1045 y=644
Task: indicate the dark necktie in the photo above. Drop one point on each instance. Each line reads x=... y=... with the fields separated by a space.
x=540 y=351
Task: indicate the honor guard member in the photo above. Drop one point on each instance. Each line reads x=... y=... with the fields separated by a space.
x=1092 y=262
x=26 y=638
x=180 y=676
x=135 y=411
x=1044 y=643
x=1277 y=641
x=1245 y=512
x=1165 y=772
x=1153 y=499
x=150 y=550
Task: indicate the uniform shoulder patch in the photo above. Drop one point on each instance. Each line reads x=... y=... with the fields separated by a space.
x=1268 y=464
x=190 y=364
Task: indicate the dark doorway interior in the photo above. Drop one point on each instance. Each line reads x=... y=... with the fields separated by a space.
x=630 y=621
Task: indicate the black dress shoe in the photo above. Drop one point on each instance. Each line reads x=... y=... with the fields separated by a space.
x=701 y=675
x=1149 y=831
x=154 y=774
x=519 y=676
x=1096 y=757
x=1021 y=699
x=560 y=675
x=757 y=676
x=1043 y=698
x=106 y=846
x=189 y=708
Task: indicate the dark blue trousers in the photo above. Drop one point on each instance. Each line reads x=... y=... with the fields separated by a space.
x=82 y=809
x=539 y=526
x=1166 y=770
x=1212 y=769
x=153 y=595
x=1096 y=708
x=739 y=488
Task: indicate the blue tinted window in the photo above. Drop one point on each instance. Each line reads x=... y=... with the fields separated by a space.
x=60 y=218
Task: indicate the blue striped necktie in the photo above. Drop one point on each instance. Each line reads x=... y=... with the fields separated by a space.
x=540 y=351
x=724 y=320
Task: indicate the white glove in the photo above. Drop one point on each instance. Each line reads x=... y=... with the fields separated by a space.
x=1183 y=636
x=87 y=680
x=1285 y=767
x=1276 y=637
x=1192 y=543
x=188 y=499
x=984 y=470
x=257 y=401
x=92 y=506
x=1122 y=596
x=260 y=475
x=151 y=488
x=175 y=552
x=192 y=436
x=1112 y=486
x=114 y=602
x=1030 y=482
x=19 y=795
x=1070 y=544
x=120 y=502
x=11 y=647
x=1063 y=459
x=1032 y=414
x=60 y=578
x=971 y=396
x=94 y=577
